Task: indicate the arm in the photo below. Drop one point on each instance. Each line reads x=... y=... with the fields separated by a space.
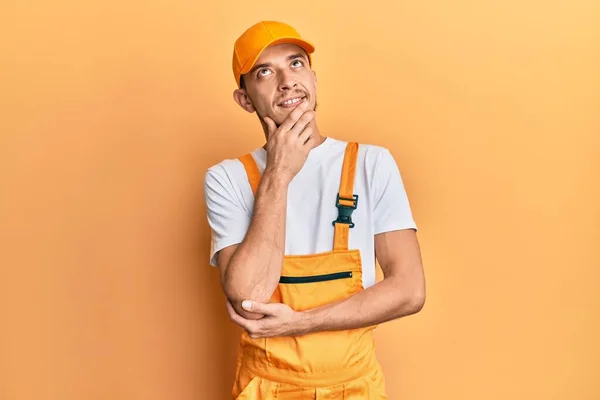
x=251 y=269
x=400 y=293
x=402 y=290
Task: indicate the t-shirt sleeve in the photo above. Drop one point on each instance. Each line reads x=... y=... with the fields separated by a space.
x=391 y=207
x=227 y=217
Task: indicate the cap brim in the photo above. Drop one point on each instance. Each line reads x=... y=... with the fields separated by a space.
x=304 y=44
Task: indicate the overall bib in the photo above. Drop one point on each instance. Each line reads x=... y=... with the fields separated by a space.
x=321 y=365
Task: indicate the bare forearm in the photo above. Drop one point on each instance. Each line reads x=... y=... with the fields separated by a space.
x=387 y=300
x=254 y=270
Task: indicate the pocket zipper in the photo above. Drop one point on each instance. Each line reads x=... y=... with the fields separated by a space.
x=316 y=278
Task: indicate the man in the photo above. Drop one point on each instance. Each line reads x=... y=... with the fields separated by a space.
x=297 y=226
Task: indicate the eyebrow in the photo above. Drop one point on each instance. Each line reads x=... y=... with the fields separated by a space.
x=265 y=65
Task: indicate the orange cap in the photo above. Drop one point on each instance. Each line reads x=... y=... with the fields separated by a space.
x=257 y=38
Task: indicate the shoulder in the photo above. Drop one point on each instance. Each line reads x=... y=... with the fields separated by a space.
x=370 y=158
x=227 y=180
x=221 y=176
x=223 y=168
x=373 y=149
x=366 y=150
x=229 y=169
x=375 y=156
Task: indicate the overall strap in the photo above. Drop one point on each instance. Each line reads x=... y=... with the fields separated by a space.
x=251 y=170
x=346 y=200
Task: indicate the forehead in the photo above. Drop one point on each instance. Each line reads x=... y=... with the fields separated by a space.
x=279 y=53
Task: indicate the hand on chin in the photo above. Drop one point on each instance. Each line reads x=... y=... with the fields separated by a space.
x=284 y=112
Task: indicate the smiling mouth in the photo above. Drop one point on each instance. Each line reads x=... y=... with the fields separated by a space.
x=292 y=102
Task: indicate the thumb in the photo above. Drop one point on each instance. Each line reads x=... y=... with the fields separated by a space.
x=257 y=307
x=271 y=127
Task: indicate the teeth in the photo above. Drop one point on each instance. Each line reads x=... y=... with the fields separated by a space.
x=291 y=101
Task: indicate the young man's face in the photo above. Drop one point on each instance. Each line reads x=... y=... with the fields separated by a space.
x=280 y=81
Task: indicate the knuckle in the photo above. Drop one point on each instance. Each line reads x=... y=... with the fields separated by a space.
x=309 y=119
x=297 y=113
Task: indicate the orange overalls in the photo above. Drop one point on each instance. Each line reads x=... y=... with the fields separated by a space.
x=322 y=365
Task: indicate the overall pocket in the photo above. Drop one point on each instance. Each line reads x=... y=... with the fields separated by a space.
x=315 y=278
x=303 y=292
x=307 y=283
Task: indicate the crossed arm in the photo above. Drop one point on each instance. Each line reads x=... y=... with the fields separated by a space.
x=251 y=270
x=250 y=273
x=400 y=293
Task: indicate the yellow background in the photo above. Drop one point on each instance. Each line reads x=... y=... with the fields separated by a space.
x=111 y=111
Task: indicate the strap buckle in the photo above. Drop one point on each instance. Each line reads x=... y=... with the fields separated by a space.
x=345 y=211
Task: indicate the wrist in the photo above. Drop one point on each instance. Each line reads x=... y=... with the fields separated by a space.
x=306 y=322
x=277 y=176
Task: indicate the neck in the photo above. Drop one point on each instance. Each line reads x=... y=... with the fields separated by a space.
x=318 y=139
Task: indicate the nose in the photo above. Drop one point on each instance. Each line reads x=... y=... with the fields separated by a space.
x=286 y=81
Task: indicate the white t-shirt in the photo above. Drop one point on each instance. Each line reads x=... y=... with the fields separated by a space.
x=382 y=202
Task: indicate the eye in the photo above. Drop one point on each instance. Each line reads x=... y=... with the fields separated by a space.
x=263 y=72
x=298 y=63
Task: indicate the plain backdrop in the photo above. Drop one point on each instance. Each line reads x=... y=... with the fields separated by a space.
x=111 y=112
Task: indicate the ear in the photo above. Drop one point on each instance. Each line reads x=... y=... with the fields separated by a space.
x=241 y=97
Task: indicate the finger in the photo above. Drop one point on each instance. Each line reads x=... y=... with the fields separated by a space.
x=271 y=126
x=306 y=135
x=259 y=335
x=231 y=311
x=260 y=308
x=291 y=119
x=302 y=123
x=244 y=323
x=236 y=318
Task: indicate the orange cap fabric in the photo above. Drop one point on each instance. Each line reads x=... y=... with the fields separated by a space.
x=249 y=46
